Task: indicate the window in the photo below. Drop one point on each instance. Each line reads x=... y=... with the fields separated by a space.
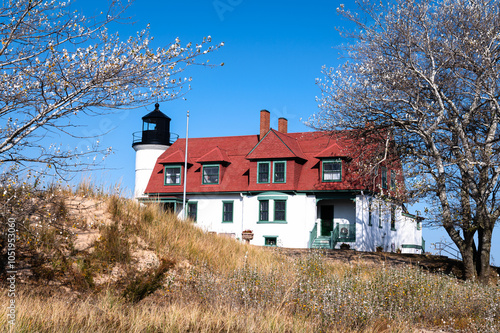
x=270 y=240
x=263 y=172
x=393 y=180
x=393 y=218
x=227 y=211
x=380 y=215
x=210 y=174
x=172 y=175
x=264 y=210
x=146 y=126
x=193 y=210
x=272 y=208
x=280 y=210
x=384 y=177
x=370 y=208
x=332 y=171
x=279 y=172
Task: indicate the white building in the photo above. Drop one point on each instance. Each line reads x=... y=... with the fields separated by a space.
x=297 y=190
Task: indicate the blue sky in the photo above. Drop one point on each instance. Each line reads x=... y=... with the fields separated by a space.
x=273 y=52
x=272 y=55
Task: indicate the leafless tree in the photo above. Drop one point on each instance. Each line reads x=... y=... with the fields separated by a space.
x=427 y=73
x=56 y=63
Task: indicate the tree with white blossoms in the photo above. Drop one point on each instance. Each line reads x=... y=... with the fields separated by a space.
x=426 y=75
x=56 y=63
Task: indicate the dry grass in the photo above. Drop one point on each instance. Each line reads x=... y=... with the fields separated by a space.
x=202 y=282
x=109 y=313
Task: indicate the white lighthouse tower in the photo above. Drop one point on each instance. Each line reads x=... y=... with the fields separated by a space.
x=149 y=145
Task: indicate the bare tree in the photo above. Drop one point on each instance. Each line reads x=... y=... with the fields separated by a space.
x=427 y=74
x=56 y=63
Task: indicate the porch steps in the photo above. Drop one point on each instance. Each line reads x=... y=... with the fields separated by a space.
x=321 y=242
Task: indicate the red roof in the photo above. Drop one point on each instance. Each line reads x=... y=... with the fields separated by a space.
x=173 y=157
x=238 y=157
x=215 y=155
x=332 y=151
x=276 y=145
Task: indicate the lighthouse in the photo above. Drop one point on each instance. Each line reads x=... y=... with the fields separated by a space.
x=149 y=144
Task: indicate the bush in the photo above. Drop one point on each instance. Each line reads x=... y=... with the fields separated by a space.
x=147 y=283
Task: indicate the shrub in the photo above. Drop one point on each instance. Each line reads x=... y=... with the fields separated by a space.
x=147 y=283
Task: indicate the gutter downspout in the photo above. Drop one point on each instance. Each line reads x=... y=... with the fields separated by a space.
x=242 y=210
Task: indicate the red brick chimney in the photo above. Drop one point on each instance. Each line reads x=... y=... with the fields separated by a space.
x=283 y=125
x=265 y=122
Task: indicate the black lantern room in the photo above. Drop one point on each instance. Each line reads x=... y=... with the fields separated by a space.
x=155 y=129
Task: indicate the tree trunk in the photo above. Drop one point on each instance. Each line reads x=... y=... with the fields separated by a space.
x=468 y=260
x=484 y=251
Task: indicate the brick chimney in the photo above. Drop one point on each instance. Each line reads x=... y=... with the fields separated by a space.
x=283 y=125
x=265 y=122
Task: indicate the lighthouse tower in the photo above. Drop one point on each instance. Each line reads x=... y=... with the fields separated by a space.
x=149 y=145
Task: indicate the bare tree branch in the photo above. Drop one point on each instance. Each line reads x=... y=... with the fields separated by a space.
x=429 y=72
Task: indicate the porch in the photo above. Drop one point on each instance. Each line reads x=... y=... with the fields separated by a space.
x=341 y=233
x=335 y=223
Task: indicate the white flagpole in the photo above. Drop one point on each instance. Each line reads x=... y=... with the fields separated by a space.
x=185 y=170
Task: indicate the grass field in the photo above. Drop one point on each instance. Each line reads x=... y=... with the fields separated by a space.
x=147 y=271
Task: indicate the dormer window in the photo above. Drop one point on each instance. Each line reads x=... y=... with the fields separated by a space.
x=279 y=172
x=263 y=171
x=210 y=174
x=173 y=175
x=384 y=177
x=332 y=170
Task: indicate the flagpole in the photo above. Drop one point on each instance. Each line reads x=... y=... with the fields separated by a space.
x=184 y=212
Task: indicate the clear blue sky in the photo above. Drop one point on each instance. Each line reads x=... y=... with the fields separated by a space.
x=273 y=52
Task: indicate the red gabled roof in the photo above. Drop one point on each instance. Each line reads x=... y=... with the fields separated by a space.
x=174 y=157
x=232 y=149
x=238 y=156
x=332 y=151
x=276 y=145
x=215 y=155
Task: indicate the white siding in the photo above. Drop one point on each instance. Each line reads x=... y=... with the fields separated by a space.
x=380 y=232
x=145 y=159
x=301 y=216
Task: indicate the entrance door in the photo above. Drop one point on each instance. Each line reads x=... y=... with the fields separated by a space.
x=326 y=212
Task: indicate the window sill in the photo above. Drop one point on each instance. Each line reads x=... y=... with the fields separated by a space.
x=227 y=222
x=272 y=222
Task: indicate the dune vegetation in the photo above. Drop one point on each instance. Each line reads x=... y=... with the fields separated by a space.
x=95 y=262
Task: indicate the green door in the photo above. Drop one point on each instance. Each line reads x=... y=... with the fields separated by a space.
x=326 y=220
